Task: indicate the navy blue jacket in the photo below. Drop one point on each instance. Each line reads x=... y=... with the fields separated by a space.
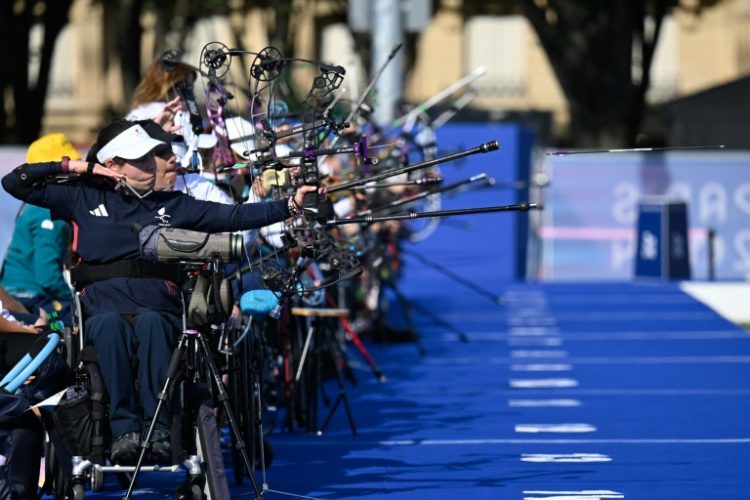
x=103 y=223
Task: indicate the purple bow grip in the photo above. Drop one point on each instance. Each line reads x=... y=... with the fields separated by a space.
x=360 y=149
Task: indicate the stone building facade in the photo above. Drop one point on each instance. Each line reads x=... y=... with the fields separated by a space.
x=694 y=53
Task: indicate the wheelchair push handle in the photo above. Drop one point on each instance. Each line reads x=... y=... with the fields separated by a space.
x=30 y=362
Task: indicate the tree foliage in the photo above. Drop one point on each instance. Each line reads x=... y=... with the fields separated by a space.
x=590 y=44
x=121 y=42
x=593 y=47
x=21 y=119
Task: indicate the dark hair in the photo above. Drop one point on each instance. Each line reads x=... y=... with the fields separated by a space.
x=115 y=128
x=91 y=155
x=156 y=132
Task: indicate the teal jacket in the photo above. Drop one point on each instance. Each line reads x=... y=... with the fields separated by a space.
x=34 y=261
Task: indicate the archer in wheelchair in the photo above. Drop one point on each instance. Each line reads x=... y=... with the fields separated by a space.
x=186 y=400
x=131 y=306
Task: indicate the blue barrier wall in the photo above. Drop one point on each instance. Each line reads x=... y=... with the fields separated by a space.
x=491 y=248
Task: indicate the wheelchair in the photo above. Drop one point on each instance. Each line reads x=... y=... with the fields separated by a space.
x=194 y=389
x=33 y=371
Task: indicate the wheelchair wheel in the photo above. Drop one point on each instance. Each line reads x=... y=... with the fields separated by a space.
x=189 y=490
x=57 y=468
x=252 y=382
x=196 y=493
x=238 y=390
x=97 y=479
x=78 y=491
x=60 y=485
x=208 y=449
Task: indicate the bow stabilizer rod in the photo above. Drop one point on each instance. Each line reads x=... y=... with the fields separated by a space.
x=520 y=207
x=483 y=148
x=424 y=194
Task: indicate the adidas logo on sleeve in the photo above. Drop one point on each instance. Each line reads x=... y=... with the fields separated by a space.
x=100 y=211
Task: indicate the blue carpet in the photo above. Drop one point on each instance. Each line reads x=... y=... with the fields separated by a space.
x=576 y=391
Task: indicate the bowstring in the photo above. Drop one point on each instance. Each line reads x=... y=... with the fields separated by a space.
x=217 y=116
x=312 y=103
x=257 y=91
x=272 y=93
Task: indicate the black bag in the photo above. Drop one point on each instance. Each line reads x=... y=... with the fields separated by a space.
x=73 y=421
x=79 y=418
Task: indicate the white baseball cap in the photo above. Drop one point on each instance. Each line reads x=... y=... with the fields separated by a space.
x=240 y=135
x=130 y=144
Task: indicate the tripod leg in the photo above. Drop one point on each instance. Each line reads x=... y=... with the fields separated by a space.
x=298 y=386
x=289 y=337
x=298 y=408
x=174 y=364
x=237 y=364
x=305 y=349
x=342 y=396
x=407 y=306
x=224 y=400
x=358 y=343
x=337 y=359
x=312 y=421
x=258 y=397
x=330 y=416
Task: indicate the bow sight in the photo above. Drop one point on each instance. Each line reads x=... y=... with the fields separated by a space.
x=358 y=149
x=322 y=88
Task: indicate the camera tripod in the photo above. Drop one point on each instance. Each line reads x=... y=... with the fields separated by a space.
x=319 y=341
x=193 y=342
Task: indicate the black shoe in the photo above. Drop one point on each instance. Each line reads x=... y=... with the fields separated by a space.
x=160 y=445
x=125 y=448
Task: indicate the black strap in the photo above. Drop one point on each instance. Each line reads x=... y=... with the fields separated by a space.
x=84 y=274
x=90 y=168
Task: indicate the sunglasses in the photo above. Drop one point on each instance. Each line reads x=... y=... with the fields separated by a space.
x=142 y=159
x=160 y=151
x=164 y=151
